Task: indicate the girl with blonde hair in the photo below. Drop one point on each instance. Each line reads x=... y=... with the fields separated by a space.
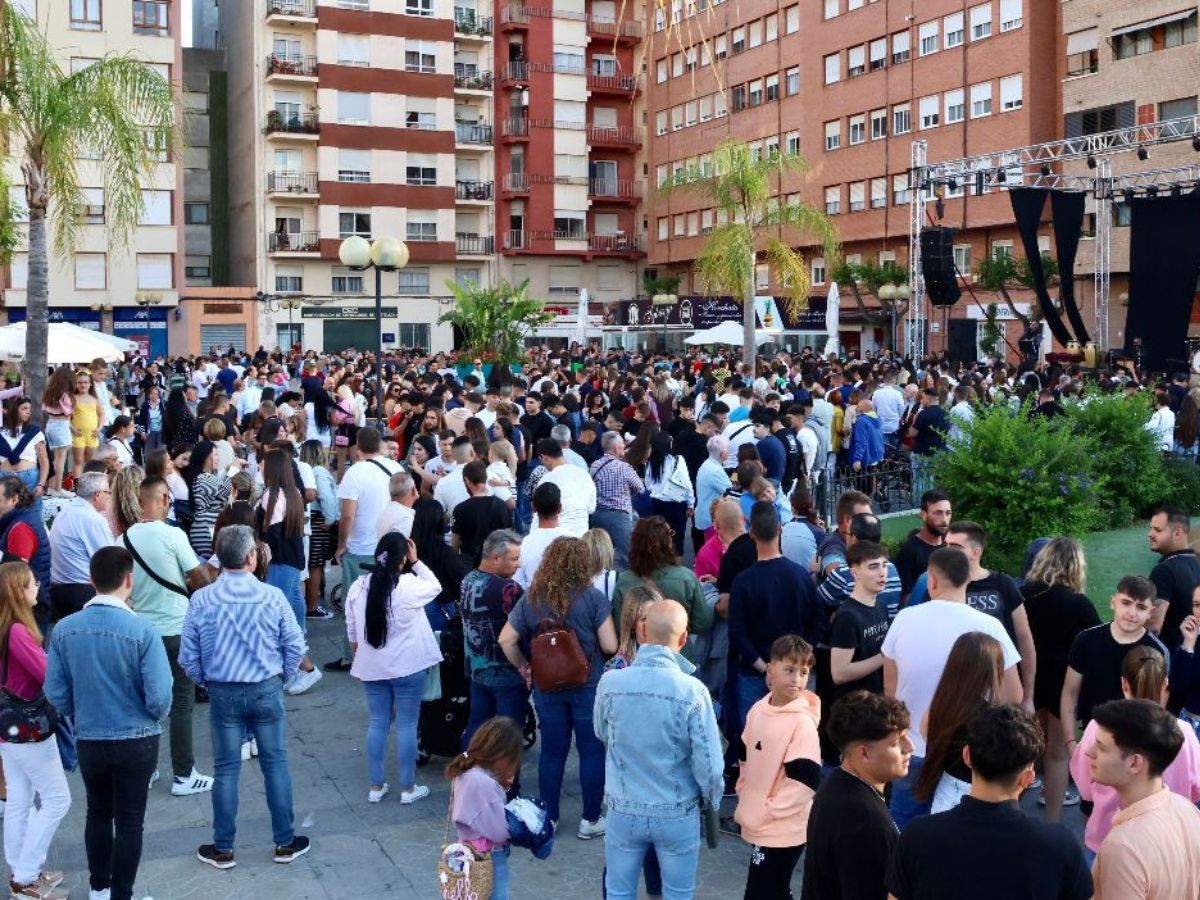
x=87 y=419
x=601 y=553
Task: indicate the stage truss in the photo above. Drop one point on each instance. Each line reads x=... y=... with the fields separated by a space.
x=1034 y=166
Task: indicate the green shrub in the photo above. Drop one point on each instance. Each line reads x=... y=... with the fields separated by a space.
x=1181 y=484
x=1021 y=478
x=1125 y=456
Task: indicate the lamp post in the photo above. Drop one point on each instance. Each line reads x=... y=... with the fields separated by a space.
x=385 y=254
x=290 y=304
x=664 y=300
x=887 y=296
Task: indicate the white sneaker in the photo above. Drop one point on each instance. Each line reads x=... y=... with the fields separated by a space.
x=193 y=784
x=374 y=796
x=253 y=742
x=154 y=778
x=303 y=681
x=105 y=894
x=419 y=792
x=245 y=751
x=589 y=830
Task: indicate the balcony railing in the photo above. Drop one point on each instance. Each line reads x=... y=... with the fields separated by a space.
x=515 y=182
x=468 y=133
x=286 y=64
x=621 y=83
x=628 y=28
x=621 y=188
x=473 y=190
x=292 y=182
x=305 y=9
x=614 y=243
x=470 y=23
x=473 y=81
x=514 y=240
x=520 y=14
x=515 y=71
x=616 y=135
x=294 y=242
x=475 y=244
x=292 y=123
x=515 y=127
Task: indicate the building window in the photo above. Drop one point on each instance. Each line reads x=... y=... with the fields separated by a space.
x=155 y=271
x=1002 y=248
x=413 y=280
x=962 y=258
x=791 y=20
x=1010 y=93
x=354 y=108
x=1083 y=54
x=901 y=47
x=772 y=88
x=955 y=106
x=901 y=118
x=929 y=38
x=86 y=15
x=953 y=27
x=833 y=200
x=91 y=212
x=570 y=224
x=856 y=61
x=564 y=279
x=981 y=100
x=832 y=8
x=663 y=228
x=199 y=267
x=878 y=124
x=158 y=208
x=793 y=81
x=755 y=32
x=739 y=40
x=1010 y=15
x=1176 y=34
x=739 y=98
x=900 y=194
x=424 y=121
x=858 y=129
x=419 y=56
x=419 y=8
x=858 y=195
x=195 y=213
x=466 y=278
x=151 y=17
x=720 y=46
x=833 y=68
x=1177 y=109
x=420 y=172
x=878 y=53
x=929 y=112
x=345 y=281
x=878 y=193
x=354 y=223
x=660 y=70
x=756 y=92
x=660 y=122
x=706 y=108
x=354 y=166
x=817 y=270
x=413 y=335
x=981 y=21
x=793 y=143
x=421 y=226
x=288 y=280
x=833 y=134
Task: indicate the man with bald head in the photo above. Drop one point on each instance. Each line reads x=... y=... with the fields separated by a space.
x=664 y=759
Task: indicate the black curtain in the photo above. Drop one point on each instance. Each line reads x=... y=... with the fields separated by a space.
x=1164 y=259
x=1028 y=204
x=1067 y=209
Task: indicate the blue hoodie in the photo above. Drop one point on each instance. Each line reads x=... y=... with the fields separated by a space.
x=866 y=441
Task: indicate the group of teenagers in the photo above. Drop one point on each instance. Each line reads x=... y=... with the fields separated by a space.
x=885 y=715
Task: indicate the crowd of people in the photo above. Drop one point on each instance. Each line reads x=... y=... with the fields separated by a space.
x=628 y=550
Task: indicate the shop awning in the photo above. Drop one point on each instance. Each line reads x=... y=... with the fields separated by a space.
x=1150 y=23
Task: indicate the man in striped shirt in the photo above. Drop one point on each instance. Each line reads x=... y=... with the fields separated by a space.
x=616 y=485
x=242 y=642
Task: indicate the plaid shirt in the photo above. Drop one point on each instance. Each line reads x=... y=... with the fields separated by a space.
x=616 y=483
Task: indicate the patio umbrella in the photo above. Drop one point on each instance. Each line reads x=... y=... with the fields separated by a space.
x=66 y=344
x=729 y=333
x=832 y=310
x=582 y=318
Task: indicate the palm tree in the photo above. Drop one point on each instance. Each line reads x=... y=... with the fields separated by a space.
x=117 y=109
x=494 y=320
x=743 y=189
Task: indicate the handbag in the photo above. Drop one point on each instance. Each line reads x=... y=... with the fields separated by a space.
x=24 y=721
x=463 y=872
x=557 y=660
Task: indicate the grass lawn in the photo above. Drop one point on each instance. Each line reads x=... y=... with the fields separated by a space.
x=1110 y=556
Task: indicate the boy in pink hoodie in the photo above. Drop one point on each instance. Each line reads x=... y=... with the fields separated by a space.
x=780 y=771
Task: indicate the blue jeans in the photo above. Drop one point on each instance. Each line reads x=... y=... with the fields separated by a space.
x=619 y=526
x=676 y=842
x=495 y=699
x=232 y=708
x=650 y=870
x=751 y=689
x=394 y=700
x=501 y=877
x=558 y=714
x=524 y=511
x=904 y=807
x=287 y=579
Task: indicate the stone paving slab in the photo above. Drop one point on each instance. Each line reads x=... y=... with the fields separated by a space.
x=360 y=850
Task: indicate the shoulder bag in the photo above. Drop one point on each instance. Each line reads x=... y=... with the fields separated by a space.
x=463 y=872
x=557 y=660
x=24 y=721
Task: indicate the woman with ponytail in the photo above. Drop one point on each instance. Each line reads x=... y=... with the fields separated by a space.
x=393 y=646
x=1143 y=677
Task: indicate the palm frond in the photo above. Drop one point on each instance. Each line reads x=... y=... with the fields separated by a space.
x=807 y=220
x=791 y=272
x=725 y=262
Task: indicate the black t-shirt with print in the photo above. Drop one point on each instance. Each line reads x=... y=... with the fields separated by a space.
x=1097 y=656
x=860 y=628
x=998 y=596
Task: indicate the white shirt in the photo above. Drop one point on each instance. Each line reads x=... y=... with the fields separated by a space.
x=395 y=517
x=487 y=417
x=439 y=467
x=961 y=416
x=737 y=433
x=889 y=405
x=1162 y=424
x=124 y=454
x=313 y=433
x=201 y=380
x=919 y=642
x=533 y=548
x=578 y=497
x=451 y=491
x=367 y=483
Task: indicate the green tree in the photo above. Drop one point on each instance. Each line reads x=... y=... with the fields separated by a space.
x=118 y=109
x=1000 y=271
x=494 y=320
x=744 y=191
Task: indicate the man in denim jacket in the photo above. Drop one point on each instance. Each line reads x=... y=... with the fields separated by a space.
x=664 y=758
x=108 y=668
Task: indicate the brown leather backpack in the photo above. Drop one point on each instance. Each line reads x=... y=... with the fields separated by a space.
x=557 y=659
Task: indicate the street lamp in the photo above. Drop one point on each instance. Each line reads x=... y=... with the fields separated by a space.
x=290 y=304
x=664 y=300
x=386 y=254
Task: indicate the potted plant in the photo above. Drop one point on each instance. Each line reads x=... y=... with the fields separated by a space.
x=494 y=322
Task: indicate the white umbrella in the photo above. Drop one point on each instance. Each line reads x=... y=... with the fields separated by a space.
x=728 y=333
x=582 y=318
x=66 y=344
x=832 y=311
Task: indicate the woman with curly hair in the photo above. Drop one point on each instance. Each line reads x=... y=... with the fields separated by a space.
x=562 y=593
x=652 y=562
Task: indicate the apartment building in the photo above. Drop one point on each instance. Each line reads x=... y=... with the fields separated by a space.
x=570 y=149
x=129 y=292
x=1126 y=63
x=850 y=84
x=359 y=117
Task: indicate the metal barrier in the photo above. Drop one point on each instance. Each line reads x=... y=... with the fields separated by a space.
x=889 y=485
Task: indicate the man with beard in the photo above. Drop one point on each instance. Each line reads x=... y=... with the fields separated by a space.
x=913 y=558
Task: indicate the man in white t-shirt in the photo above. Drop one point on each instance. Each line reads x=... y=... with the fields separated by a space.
x=451 y=490
x=575 y=484
x=915 y=651
x=363 y=494
x=398 y=515
x=547 y=504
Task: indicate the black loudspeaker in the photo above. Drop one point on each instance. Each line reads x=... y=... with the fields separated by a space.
x=961 y=346
x=937 y=265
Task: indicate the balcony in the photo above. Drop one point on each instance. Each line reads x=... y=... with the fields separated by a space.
x=515 y=71
x=294 y=243
x=621 y=83
x=615 y=244
x=514 y=16
x=472 y=80
x=301 y=126
x=469 y=25
x=618 y=190
x=587 y=244
x=284 y=67
x=514 y=240
x=293 y=184
x=472 y=133
x=626 y=31
x=472 y=191
x=293 y=12
x=474 y=244
x=515 y=183
x=614 y=136
x=517 y=128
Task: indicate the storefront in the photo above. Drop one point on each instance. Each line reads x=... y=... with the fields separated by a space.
x=209 y=317
x=76 y=315
x=146 y=326
x=639 y=324
x=336 y=328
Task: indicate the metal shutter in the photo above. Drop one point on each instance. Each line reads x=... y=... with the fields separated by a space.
x=222 y=336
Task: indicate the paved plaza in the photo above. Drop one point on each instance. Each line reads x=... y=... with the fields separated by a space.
x=359 y=850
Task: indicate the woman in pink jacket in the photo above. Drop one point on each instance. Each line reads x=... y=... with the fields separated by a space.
x=1143 y=677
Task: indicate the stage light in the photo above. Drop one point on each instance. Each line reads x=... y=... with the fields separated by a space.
x=980 y=182
x=1129 y=195
x=1001 y=176
x=1045 y=170
x=1196 y=143
x=1091 y=161
x=1176 y=190
x=1142 y=154
x=1151 y=191
x=952 y=184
